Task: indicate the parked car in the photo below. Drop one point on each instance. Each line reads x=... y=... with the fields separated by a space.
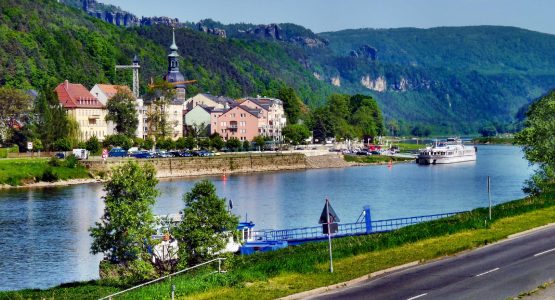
x=363 y=152
x=60 y=155
x=375 y=152
x=117 y=152
x=142 y=154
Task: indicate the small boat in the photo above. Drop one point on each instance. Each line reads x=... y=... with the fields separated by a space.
x=446 y=152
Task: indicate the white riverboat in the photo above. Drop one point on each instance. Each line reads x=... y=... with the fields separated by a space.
x=446 y=152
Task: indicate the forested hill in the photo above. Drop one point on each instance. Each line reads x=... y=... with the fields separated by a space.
x=43 y=42
x=461 y=78
x=455 y=79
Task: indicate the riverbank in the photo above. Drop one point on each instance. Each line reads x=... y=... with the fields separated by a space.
x=305 y=267
x=29 y=172
x=494 y=140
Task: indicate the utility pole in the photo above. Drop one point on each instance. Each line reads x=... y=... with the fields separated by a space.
x=135 y=67
x=489 y=197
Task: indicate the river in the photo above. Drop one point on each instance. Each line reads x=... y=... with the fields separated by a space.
x=44 y=238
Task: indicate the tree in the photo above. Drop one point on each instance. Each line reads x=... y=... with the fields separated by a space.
x=233 y=144
x=127 y=225
x=148 y=143
x=393 y=127
x=260 y=141
x=122 y=111
x=206 y=224
x=203 y=143
x=296 y=133
x=292 y=104
x=488 y=131
x=190 y=142
x=93 y=145
x=14 y=103
x=51 y=118
x=118 y=140
x=180 y=143
x=216 y=141
x=537 y=140
x=246 y=146
x=159 y=96
x=322 y=124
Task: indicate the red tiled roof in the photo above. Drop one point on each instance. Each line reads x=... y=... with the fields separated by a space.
x=75 y=95
x=110 y=90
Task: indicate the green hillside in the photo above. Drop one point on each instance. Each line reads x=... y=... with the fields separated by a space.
x=43 y=43
x=455 y=79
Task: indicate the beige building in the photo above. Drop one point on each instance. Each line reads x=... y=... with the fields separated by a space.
x=85 y=108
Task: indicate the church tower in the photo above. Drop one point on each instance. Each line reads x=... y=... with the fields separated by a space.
x=174 y=75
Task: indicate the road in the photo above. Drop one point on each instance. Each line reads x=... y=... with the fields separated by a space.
x=497 y=271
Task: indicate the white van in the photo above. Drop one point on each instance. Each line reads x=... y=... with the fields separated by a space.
x=81 y=153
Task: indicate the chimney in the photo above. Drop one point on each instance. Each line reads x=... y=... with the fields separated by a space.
x=67 y=84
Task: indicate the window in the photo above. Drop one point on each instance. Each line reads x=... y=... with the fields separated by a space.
x=243 y=131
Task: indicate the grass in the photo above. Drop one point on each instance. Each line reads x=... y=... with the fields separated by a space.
x=4 y=151
x=21 y=171
x=408 y=147
x=304 y=267
x=374 y=159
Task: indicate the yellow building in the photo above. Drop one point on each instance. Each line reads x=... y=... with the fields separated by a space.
x=89 y=113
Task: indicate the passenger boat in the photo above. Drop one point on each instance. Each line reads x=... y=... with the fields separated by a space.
x=446 y=152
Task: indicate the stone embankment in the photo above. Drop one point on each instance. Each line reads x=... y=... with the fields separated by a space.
x=228 y=164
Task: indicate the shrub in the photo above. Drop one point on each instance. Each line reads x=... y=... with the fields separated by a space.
x=54 y=162
x=71 y=161
x=63 y=144
x=48 y=175
x=94 y=146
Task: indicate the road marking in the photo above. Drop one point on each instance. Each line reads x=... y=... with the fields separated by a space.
x=421 y=295
x=492 y=270
x=544 y=252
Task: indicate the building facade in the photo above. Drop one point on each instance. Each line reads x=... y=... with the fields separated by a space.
x=85 y=108
x=240 y=122
x=272 y=118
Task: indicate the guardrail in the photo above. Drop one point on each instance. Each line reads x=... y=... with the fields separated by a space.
x=347 y=229
x=219 y=259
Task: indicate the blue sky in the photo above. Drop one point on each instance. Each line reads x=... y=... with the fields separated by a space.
x=332 y=15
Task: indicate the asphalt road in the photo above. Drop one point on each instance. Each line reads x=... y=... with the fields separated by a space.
x=497 y=271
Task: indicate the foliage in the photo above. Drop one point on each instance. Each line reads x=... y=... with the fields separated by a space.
x=488 y=131
x=93 y=146
x=292 y=104
x=148 y=143
x=216 y=141
x=260 y=141
x=15 y=103
x=51 y=118
x=4 y=151
x=127 y=224
x=190 y=142
x=180 y=143
x=206 y=224
x=296 y=133
x=122 y=111
x=71 y=161
x=63 y=144
x=246 y=146
x=233 y=143
x=203 y=143
x=160 y=97
x=537 y=141
x=118 y=140
x=166 y=144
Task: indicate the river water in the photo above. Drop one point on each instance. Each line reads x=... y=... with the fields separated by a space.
x=44 y=239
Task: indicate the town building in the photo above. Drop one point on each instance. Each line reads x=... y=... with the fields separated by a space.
x=105 y=92
x=239 y=121
x=272 y=119
x=209 y=100
x=198 y=120
x=85 y=108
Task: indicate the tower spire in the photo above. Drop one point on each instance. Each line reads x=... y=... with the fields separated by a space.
x=173 y=47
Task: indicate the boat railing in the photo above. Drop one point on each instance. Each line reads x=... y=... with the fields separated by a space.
x=347 y=229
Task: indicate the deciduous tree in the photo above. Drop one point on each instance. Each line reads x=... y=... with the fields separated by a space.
x=122 y=111
x=206 y=224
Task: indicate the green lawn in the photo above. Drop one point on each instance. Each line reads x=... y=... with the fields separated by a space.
x=19 y=171
x=300 y=268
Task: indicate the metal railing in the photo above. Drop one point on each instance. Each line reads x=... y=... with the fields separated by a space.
x=219 y=259
x=347 y=229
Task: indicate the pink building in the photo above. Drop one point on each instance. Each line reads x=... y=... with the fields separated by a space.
x=240 y=122
x=272 y=118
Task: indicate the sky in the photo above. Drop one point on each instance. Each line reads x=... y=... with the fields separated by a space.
x=333 y=15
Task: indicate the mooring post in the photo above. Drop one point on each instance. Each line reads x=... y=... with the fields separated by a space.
x=368 y=219
x=173 y=291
